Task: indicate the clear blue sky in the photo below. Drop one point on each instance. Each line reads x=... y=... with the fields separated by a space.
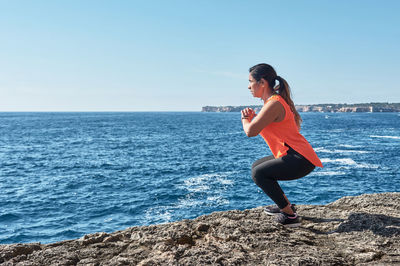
x=182 y=55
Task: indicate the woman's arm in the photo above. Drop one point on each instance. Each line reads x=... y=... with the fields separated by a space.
x=270 y=112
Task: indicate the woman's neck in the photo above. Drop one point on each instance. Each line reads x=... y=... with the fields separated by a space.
x=266 y=96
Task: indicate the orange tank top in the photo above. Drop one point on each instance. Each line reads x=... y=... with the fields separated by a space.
x=277 y=134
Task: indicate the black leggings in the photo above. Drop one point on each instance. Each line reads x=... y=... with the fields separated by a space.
x=267 y=171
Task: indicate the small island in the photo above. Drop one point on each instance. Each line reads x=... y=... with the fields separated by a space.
x=321 y=108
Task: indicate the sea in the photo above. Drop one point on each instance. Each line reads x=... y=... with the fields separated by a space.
x=64 y=175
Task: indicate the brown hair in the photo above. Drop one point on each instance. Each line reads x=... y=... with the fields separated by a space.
x=267 y=72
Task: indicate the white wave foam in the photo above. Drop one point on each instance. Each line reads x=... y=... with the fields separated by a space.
x=161 y=212
x=330 y=173
x=204 y=182
x=323 y=150
x=218 y=199
x=350 y=162
x=369 y=166
x=164 y=213
x=385 y=137
x=212 y=185
x=196 y=188
x=349 y=146
x=234 y=133
x=345 y=161
x=350 y=151
x=187 y=202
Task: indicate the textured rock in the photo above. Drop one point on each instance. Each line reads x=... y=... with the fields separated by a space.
x=362 y=230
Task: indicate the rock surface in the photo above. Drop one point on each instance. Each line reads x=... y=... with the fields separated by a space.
x=362 y=230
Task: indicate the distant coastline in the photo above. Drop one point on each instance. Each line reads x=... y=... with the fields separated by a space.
x=320 y=108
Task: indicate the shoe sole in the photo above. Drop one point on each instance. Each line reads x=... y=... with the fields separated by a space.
x=275 y=213
x=271 y=213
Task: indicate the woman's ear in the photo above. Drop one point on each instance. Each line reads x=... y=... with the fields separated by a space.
x=263 y=82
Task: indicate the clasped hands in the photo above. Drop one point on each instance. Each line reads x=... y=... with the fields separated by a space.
x=248 y=114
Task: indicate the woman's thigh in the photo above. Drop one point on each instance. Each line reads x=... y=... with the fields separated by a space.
x=288 y=167
x=262 y=160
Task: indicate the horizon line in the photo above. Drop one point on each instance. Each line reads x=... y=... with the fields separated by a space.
x=166 y=111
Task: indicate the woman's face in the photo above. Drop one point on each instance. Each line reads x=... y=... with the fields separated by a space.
x=255 y=87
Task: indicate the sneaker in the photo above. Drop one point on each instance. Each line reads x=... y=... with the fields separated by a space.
x=288 y=220
x=274 y=210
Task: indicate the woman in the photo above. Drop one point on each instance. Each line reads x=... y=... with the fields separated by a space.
x=278 y=123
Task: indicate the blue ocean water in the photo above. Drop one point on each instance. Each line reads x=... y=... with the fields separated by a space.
x=63 y=175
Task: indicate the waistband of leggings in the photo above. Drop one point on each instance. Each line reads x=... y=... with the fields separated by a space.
x=292 y=151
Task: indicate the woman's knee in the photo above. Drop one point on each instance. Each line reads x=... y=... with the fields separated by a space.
x=257 y=175
x=262 y=178
x=254 y=165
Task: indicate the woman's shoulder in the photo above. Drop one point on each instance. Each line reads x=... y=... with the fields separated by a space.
x=278 y=100
x=275 y=98
x=273 y=105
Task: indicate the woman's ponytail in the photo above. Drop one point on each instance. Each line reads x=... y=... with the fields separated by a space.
x=283 y=90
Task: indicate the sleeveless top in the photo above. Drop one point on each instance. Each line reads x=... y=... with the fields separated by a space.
x=277 y=134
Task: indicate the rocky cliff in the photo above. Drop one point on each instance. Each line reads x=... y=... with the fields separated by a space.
x=325 y=108
x=362 y=230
